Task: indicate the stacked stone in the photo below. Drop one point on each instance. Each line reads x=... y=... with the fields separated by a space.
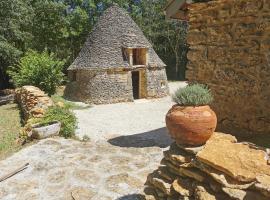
x=229 y=51
x=221 y=169
x=6 y=96
x=33 y=101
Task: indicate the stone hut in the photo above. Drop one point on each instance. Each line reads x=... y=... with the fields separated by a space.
x=229 y=44
x=116 y=64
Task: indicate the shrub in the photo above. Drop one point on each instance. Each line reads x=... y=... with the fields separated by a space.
x=63 y=115
x=42 y=70
x=193 y=95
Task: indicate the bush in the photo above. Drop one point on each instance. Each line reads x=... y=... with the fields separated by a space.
x=42 y=70
x=63 y=115
x=193 y=95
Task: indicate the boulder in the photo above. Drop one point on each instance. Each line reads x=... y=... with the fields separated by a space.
x=238 y=160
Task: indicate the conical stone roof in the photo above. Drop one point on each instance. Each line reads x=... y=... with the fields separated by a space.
x=114 y=30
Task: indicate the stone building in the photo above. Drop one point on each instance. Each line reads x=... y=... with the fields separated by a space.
x=230 y=52
x=116 y=64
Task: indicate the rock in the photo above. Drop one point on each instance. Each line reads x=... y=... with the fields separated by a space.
x=82 y=194
x=194 y=173
x=159 y=183
x=42 y=132
x=176 y=155
x=185 y=170
x=199 y=179
x=234 y=159
x=183 y=186
x=235 y=193
x=7 y=92
x=202 y=194
x=5 y=99
x=220 y=177
x=33 y=102
x=165 y=174
x=263 y=184
x=243 y=195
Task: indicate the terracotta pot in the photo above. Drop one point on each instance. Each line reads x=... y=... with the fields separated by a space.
x=191 y=125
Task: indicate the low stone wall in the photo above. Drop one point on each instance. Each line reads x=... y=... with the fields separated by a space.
x=230 y=51
x=32 y=101
x=222 y=169
x=7 y=96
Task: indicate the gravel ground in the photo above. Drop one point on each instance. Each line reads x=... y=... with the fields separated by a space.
x=144 y=117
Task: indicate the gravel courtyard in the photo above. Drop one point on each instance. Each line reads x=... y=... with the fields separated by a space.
x=144 y=117
x=125 y=144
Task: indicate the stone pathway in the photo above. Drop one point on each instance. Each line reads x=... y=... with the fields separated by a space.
x=100 y=169
x=59 y=167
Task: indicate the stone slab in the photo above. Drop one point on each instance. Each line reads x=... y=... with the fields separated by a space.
x=220 y=177
x=237 y=160
x=263 y=184
x=184 y=187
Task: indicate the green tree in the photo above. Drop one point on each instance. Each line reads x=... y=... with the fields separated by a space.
x=42 y=70
x=15 y=20
x=49 y=26
x=167 y=36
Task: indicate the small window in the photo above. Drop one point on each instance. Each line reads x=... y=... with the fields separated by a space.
x=139 y=56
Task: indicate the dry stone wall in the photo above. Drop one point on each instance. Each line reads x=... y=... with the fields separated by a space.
x=230 y=51
x=157 y=85
x=222 y=169
x=114 y=85
x=32 y=101
x=100 y=86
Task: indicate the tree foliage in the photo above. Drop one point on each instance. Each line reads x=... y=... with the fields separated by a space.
x=62 y=26
x=15 y=19
x=42 y=70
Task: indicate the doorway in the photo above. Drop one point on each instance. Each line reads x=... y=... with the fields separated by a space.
x=136 y=84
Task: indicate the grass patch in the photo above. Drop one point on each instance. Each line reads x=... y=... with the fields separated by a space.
x=63 y=115
x=10 y=124
x=62 y=112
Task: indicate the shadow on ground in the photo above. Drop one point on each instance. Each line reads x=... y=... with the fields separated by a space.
x=132 y=197
x=158 y=137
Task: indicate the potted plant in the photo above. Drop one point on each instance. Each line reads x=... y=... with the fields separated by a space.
x=191 y=121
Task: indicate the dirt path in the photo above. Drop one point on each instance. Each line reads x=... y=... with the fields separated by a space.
x=114 y=164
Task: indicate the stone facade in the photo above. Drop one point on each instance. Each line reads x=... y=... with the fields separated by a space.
x=222 y=169
x=230 y=51
x=114 y=85
x=32 y=101
x=157 y=85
